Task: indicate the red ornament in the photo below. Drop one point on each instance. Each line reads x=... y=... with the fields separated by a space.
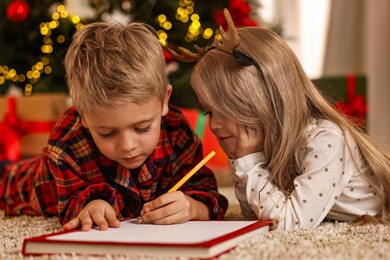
x=240 y=11
x=167 y=56
x=18 y=11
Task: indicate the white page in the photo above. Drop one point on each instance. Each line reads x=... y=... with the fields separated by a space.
x=130 y=231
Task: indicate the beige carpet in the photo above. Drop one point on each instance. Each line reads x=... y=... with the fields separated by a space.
x=328 y=241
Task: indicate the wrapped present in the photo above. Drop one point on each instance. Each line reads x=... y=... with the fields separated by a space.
x=348 y=93
x=26 y=122
x=199 y=122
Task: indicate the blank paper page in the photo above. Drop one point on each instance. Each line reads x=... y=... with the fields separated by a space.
x=131 y=232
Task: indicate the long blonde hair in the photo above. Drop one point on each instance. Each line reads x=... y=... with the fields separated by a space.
x=279 y=98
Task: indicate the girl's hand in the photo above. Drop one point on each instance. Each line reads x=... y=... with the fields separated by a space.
x=249 y=141
x=172 y=208
x=99 y=212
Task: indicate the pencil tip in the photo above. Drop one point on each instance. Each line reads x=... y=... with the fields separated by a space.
x=139 y=221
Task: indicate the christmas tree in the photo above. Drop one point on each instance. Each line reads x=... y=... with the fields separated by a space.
x=36 y=34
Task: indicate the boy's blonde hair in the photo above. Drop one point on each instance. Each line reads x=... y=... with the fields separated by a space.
x=108 y=64
x=279 y=98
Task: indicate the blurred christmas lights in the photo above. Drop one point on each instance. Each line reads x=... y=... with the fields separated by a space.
x=43 y=65
x=184 y=13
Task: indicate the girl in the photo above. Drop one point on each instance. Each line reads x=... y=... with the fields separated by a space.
x=295 y=159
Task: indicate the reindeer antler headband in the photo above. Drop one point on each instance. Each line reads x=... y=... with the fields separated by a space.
x=227 y=42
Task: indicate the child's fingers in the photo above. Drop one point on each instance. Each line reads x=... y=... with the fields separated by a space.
x=72 y=224
x=86 y=224
x=161 y=213
x=179 y=217
x=99 y=220
x=170 y=208
x=111 y=219
x=161 y=201
x=247 y=133
x=250 y=140
x=145 y=209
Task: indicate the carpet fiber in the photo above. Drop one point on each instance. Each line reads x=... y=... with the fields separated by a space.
x=328 y=241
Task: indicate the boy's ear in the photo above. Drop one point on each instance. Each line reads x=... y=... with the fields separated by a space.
x=83 y=122
x=165 y=109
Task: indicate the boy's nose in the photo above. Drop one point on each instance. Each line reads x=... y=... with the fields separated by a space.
x=127 y=143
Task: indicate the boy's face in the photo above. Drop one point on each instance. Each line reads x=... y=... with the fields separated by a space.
x=129 y=132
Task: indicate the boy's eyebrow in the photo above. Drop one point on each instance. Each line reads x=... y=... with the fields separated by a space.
x=148 y=120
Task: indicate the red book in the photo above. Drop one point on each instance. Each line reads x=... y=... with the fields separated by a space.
x=197 y=239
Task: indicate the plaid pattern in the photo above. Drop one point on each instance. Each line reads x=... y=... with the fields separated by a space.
x=71 y=171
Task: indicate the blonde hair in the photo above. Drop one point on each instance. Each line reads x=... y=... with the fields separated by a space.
x=279 y=98
x=108 y=63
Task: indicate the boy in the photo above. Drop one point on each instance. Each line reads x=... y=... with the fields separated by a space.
x=121 y=147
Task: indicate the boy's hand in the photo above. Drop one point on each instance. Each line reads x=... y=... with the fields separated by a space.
x=249 y=141
x=173 y=208
x=99 y=212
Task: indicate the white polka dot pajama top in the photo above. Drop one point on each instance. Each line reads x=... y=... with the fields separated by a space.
x=329 y=186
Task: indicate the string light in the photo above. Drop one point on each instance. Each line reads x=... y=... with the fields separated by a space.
x=42 y=66
x=184 y=13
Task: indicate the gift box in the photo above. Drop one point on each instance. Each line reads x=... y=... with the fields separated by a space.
x=348 y=94
x=26 y=122
x=199 y=122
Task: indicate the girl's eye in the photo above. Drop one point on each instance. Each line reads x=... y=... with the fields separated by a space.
x=207 y=113
x=143 y=130
x=106 y=136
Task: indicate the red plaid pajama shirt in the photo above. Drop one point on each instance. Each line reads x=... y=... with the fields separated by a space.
x=71 y=172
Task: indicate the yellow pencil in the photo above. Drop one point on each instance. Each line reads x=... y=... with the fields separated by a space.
x=189 y=174
x=192 y=172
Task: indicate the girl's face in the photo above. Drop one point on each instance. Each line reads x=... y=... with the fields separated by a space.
x=127 y=133
x=224 y=129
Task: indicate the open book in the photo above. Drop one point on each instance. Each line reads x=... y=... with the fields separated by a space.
x=196 y=239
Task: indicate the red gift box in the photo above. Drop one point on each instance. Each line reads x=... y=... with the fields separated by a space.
x=26 y=122
x=199 y=122
x=354 y=106
x=348 y=94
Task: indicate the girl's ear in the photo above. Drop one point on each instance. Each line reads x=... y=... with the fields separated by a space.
x=166 y=100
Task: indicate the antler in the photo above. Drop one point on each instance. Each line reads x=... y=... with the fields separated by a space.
x=185 y=54
x=228 y=40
